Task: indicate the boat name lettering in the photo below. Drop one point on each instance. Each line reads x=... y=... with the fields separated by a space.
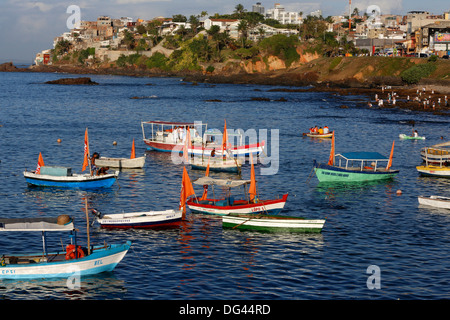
x=8 y=271
x=98 y=262
x=257 y=209
x=335 y=174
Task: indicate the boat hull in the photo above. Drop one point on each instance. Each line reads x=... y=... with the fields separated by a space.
x=76 y=181
x=213 y=207
x=244 y=150
x=268 y=223
x=435 y=201
x=434 y=171
x=141 y=220
x=326 y=173
x=216 y=164
x=121 y=163
x=320 y=136
x=101 y=260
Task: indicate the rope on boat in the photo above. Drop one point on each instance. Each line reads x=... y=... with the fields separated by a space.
x=135 y=253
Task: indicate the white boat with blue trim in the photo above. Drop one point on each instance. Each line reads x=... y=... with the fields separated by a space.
x=75 y=260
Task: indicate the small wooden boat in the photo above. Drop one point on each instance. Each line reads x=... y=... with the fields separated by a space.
x=139 y=220
x=74 y=260
x=406 y=137
x=121 y=163
x=342 y=168
x=272 y=223
x=435 y=201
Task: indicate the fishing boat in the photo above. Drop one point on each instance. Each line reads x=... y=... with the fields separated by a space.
x=438 y=154
x=272 y=223
x=355 y=166
x=63 y=177
x=52 y=178
x=435 y=201
x=171 y=136
x=406 y=137
x=434 y=171
x=122 y=163
x=228 y=204
x=73 y=260
x=139 y=220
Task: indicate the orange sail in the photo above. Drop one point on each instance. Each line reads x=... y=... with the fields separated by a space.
x=186 y=189
x=331 y=159
x=205 y=188
x=133 y=151
x=86 y=151
x=39 y=164
x=391 y=156
x=252 y=189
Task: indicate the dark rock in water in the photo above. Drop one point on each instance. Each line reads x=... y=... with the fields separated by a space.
x=84 y=80
x=8 y=67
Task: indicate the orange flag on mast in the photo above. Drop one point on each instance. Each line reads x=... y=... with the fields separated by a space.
x=133 y=151
x=39 y=164
x=187 y=144
x=186 y=189
x=224 y=138
x=331 y=159
x=205 y=187
x=391 y=156
x=86 y=151
x=252 y=189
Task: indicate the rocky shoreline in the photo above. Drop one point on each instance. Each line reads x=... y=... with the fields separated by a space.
x=436 y=91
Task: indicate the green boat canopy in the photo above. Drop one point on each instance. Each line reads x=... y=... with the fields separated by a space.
x=366 y=156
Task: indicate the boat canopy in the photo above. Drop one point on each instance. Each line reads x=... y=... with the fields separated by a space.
x=363 y=156
x=37 y=224
x=221 y=182
x=169 y=123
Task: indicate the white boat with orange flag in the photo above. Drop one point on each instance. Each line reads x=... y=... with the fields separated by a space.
x=63 y=177
x=122 y=163
x=355 y=166
x=250 y=204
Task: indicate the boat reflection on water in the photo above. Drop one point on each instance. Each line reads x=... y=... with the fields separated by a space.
x=102 y=286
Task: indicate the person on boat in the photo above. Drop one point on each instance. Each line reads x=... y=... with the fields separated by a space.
x=213 y=153
x=326 y=130
x=94 y=168
x=320 y=130
x=415 y=134
x=102 y=171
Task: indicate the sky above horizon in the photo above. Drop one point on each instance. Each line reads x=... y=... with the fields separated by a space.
x=28 y=27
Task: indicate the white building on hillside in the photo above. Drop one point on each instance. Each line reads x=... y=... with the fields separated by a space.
x=283 y=16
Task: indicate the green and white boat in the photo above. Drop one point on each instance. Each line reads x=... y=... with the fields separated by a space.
x=406 y=137
x=272 y=223
x=355 y=167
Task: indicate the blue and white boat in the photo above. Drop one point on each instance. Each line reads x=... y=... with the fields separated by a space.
x=82 y=261
x=51 y=177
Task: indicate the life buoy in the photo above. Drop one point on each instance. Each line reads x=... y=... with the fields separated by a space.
x=70 y=252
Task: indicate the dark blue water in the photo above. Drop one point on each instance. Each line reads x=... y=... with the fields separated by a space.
x=367 y=224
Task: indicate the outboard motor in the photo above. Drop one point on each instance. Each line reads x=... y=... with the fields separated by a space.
x=97 y=213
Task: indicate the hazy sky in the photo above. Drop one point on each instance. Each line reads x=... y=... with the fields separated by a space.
x=28 y=27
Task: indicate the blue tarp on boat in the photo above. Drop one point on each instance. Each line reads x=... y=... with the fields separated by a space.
x=363 y=156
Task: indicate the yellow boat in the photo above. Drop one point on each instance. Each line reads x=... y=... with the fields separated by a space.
x=434 y=171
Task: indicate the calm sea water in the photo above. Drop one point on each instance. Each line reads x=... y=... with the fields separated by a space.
x=367 y=224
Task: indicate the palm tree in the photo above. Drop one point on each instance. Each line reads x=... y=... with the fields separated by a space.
x=243 y=29
x=239 y=9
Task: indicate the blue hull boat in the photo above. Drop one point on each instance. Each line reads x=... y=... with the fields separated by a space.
x=76 y=181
